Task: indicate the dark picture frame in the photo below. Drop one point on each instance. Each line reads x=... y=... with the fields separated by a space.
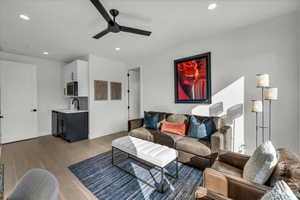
x=198 y=89
x=115 y=91
x=100 y=90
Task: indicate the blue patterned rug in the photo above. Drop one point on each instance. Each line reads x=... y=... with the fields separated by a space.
x=108 y=182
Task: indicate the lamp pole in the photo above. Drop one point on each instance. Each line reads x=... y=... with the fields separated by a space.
x=263 y=115
x=256 y=114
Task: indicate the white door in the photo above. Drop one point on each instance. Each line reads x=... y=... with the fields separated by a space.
x=18 y=83
x=134 y=94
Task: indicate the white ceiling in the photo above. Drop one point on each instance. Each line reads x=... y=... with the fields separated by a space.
x=65 y=28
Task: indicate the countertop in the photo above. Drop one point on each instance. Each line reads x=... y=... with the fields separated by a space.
x=68 y=111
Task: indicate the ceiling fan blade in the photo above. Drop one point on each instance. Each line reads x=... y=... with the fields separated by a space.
x=102 y=10
x=101 y=34
x=135 y=31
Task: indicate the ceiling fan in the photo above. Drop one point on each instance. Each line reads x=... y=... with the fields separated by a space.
x=113 y=26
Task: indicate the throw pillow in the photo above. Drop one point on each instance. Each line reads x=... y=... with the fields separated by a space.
x=150 y=121
x=288 y=163
x=173 y=128
x=201 y=129
x=288 y=170
x=261 y=164
x=161 y=118
x=280 y=191
x=177 y=118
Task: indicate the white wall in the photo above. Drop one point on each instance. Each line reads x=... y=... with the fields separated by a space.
x=231 y=95
x=268 y=47
x=298 y=33
x=109 y=116
x=50 y=87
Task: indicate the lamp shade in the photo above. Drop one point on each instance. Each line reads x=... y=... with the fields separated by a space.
x=257 y=106
x=271 y=93
x=216 y=109
x=262 y=80
x=234 y=112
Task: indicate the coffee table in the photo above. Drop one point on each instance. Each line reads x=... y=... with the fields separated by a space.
x=149 y=153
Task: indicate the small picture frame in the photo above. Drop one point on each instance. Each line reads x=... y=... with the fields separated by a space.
x=101 y=90
x=115 y=91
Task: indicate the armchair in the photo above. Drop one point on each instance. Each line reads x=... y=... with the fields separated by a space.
x=225 y=177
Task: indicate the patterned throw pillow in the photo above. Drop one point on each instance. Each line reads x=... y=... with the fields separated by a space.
x=287 y=169
x=201 y=129
x=261 y=164
x=173 y=128
x=151 y=121
x=280 y=191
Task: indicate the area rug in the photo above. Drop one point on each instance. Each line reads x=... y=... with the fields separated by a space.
x=108 y=182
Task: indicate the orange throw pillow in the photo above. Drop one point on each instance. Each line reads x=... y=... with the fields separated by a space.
x=173 y=128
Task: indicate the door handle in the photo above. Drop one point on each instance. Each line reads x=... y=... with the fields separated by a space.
x=33 y=110
x=1 y=117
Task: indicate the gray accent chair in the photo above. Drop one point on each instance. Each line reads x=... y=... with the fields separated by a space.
x=36 y=184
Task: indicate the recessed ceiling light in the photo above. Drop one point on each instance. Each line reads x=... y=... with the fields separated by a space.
x=212 y=6
x=24 y=17
x=118 y=48
x=45 y=53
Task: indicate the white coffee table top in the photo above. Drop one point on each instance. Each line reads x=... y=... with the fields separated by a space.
x=156 y=154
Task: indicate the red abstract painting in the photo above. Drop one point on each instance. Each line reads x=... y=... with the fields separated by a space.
x=192 y=79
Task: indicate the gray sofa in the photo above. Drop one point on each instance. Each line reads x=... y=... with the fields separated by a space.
x=192 y=151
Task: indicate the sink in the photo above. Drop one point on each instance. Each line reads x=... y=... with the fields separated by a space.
x=70 y=111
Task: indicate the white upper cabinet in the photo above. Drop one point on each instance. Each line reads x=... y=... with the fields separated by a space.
x=77 y=71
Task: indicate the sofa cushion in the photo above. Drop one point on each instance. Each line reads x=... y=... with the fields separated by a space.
x=173 y=128
x=261 y=164
x=197 y=129
x=167 y=139
x=201 y=129
x=227 y=169
x=194 y=146
x=177 y=118
x=151 y=120
x=143 y=133
x=161 y=117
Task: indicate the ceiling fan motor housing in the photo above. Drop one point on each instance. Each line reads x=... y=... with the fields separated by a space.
x=114 y=12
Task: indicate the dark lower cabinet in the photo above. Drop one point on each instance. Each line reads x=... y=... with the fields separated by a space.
x=70 y=126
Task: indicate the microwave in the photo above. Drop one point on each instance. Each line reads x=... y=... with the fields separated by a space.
x=72 y=88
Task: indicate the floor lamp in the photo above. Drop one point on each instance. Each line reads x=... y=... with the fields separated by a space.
x=256 y=108
x=262 y=82
x=270 y=95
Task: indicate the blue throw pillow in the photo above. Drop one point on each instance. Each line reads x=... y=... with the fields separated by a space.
x=201 y=129
x=150 y=121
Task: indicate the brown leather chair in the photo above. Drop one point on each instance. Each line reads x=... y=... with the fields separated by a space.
x=204 y=194
x=225 y=177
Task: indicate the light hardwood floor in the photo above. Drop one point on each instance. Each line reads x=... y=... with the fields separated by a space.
x=55 y=155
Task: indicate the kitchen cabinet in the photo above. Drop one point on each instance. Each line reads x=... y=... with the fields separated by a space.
x=71 y=126
x=77 y=71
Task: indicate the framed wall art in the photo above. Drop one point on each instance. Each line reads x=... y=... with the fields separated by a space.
x=193 y=79
x=115 y=90
x=101 y=90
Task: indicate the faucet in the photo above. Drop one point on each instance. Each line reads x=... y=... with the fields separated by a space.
x=75 y=100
